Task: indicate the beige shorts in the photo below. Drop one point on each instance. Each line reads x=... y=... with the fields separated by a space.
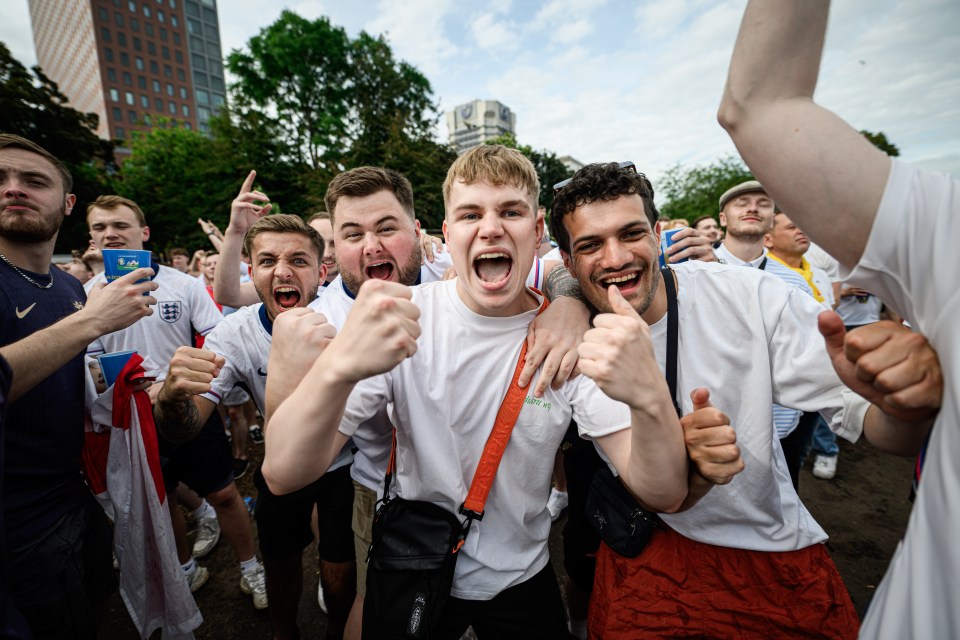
x=364 y=508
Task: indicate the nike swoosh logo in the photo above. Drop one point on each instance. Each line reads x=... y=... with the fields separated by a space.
x=261 y=371
x=22 y=314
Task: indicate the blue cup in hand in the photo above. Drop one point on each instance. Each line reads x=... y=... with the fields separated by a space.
x=111 y=364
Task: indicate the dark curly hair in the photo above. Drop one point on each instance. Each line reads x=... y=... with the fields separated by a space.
x=598 y=182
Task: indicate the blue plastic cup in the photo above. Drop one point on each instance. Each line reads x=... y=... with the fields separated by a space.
x=666 y=241
x=111 y=364
x=119 y=262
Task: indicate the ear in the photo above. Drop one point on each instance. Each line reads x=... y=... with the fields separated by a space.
x=68 y=203
x=723 y=219
x=567 y=260
x=416 y=225
x=657 y=230
x=768 y=241
x=146 y=233
x=323 y=273
x=539 y=226
x=446 y=240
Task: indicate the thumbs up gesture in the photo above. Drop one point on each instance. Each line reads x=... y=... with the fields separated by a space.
x=618 y=355
x=711 y=441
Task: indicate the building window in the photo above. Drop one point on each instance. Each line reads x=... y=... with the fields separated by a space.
x=108 y=54
x=201 y=79
x=153 y=67
x=169 y=89
x=163 y=34
x=173 y=108
x=114 y=95
x=202 y=96
x=117 y=114
x=208 y=3
x=210 y=16
x=124 y=59
x=160 y=16
x=178 y=56
x=118 y=19
x=156 y=86
x=146 y=119
x=203 y=114
x=173 y=4
x=174 y=21
x=128 y=95
x=183 y=93
x=158 y=104
x=121 y=134
x=127 y=79
x=218 y=100
x=132 y=6
x=146 y=11
x=181 y=76
x=165 y=52
x=132 y=117
x=217 y=83
x=141 y=82
x=212 y=32
x=188 y=126
x=168 y=71
x=144 y=101
x=104 y=14
x=138 y=63
x=185 y=110
x=151 y=48
x=134 y=25
x=176 y=38
x=105 y=34
x=192 y=9
x=199 y=62
x=137 y=44
x=194 y=27
x=121 y=39
x=111 y=74
x=148 y=28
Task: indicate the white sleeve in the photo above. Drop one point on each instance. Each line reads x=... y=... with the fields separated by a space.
x=204 y=315
x=366 y=399
x=218 y=341
x=595 y=413
x=911 y=261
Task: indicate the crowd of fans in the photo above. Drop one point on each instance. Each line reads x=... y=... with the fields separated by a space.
x=698 y=376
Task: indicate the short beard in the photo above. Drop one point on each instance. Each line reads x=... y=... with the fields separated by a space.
x=19 y=230
x=407 y=273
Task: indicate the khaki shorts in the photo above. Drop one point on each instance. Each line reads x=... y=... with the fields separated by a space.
x=364 y=508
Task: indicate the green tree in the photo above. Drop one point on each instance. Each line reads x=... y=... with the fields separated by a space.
x=879 y=140
x=550 y=170
x=32 y=106
x=693 y=192
x=295 y=73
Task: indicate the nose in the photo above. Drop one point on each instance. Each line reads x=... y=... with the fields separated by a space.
x=371 y=244
x=614 y=255
x=282 y=270
x=13 y=190
x=491 y=226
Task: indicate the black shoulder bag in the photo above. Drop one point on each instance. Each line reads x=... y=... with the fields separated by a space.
x=615 y=515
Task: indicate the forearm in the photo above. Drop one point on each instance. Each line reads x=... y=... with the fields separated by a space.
x=892 y=435
x=36 y=357
x=303 y=437
x=559 y=282
x=226 y=280
x=697 y=487
x=657 y=472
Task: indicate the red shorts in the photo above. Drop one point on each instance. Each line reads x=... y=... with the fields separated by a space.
x=678 y=588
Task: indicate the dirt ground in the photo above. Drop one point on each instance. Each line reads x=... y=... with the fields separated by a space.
x=864 y=510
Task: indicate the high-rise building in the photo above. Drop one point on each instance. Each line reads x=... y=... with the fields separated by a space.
x=474 y=123
x=130 y=61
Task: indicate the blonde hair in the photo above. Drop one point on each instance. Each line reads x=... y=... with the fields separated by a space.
x=495 y=164
x=112 y=203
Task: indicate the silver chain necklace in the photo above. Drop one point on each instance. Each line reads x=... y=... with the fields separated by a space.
x=28 y=278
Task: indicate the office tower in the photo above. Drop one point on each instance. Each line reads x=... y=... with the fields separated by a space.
x=131 y=61
x=474 y=123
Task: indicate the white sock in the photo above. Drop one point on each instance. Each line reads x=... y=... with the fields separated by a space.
x=189 y=567
x=249 y=565
x=204 y=511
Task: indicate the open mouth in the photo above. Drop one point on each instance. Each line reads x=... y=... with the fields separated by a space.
x=114 y=245
x=493 y=268
x=625 y=283
x=379 y=270
x=286 y=297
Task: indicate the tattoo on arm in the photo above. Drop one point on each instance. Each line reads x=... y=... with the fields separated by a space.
x=177 y=421
x=560 y=283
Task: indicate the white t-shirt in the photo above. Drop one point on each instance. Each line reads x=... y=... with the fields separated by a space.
x=444 y=401
x=912 y=263
x=856 y=313
x=183 y=307
x=244 y=339
x=763 y=346
x=373 y=442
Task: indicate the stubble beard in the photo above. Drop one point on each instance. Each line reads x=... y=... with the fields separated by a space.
x=407 y=272
x=19 y=229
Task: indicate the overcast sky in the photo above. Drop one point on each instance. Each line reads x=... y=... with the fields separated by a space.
x=614 y=80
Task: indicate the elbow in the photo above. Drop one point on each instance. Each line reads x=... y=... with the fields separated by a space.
x=731 y=113
x=276 y=482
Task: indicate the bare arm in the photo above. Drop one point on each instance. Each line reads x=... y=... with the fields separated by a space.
x=813 y=163
x=180 y=411
x=244 y=211
x=650 y=456
x=109 y=308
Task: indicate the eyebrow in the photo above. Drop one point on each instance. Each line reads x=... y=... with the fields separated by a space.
x=627 y=227
x=507 y=204
x=387 y=218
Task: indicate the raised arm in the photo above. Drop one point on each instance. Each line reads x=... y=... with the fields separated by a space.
x=109 y=308
x=815 y=165
x=244 y=211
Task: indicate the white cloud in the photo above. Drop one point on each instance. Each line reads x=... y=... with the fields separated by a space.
x=416 y=31
x=491 y=33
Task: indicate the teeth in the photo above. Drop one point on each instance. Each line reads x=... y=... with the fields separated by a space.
x=490 y=256
x=619 y=279
x=285 y=290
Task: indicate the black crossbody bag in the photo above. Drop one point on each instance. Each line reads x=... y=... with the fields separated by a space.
x=413 y=555
x=612 y=511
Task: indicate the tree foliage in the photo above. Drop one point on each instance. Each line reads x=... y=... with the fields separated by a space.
x=550 y=170
x=32 y=106
x=879 y=140
x=693 y=192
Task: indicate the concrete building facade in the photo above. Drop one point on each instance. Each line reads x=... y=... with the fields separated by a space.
x=131 y=61
x=475 y=122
